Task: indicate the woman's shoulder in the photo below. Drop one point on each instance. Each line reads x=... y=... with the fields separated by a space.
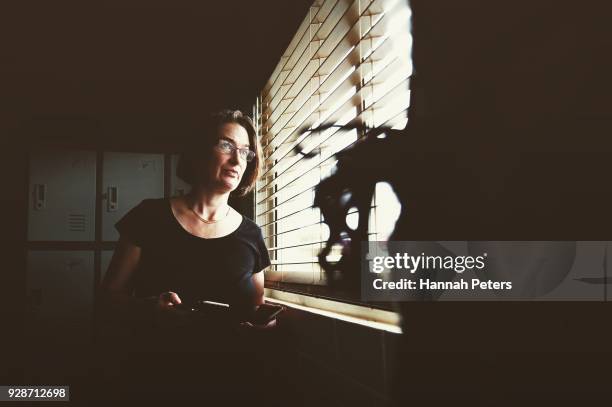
x=249 y=227
x=253 y=236
x=151 y=208
x=153 y=204
x=249 y=223
x=138 y=223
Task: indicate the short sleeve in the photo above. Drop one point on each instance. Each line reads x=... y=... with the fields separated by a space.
x=263 y=255
x=132 y=225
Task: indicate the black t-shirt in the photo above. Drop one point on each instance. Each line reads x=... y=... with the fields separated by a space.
x=196 y=268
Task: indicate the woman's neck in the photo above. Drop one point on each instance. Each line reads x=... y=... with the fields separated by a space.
x=207 y=204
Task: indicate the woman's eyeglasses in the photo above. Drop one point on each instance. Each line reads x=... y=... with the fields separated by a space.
x=227 y=147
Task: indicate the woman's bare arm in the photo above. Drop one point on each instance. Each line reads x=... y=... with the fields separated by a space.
x=258 y=282
x=114 y=290
x=122 y=266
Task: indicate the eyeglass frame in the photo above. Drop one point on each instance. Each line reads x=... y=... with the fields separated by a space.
x=249 y=155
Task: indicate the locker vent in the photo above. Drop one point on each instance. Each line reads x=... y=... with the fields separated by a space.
x=76 y=222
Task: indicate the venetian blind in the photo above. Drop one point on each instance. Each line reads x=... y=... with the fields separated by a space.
x=349 y=60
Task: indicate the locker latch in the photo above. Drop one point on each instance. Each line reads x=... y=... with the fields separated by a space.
x=40 y=196
x=112 y=198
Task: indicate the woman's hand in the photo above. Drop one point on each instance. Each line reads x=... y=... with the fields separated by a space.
x=166 y=313
x=251 y=326
x=167 y=300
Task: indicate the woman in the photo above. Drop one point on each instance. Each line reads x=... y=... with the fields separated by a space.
x=194 y=247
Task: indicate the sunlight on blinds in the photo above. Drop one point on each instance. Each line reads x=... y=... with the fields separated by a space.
x=349 y=60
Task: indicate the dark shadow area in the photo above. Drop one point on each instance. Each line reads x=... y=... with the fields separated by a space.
x=508 y=139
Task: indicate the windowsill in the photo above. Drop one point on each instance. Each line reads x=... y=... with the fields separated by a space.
x=371 y=317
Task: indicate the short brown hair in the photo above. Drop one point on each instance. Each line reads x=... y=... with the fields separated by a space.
x=192 y=153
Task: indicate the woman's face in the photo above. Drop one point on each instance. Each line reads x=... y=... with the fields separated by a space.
x=225 y=170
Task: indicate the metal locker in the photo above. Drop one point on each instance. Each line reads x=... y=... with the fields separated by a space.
x=105 y=259
x=177 y=186
x=60 y=292
x=128 y=178
x=62 y=195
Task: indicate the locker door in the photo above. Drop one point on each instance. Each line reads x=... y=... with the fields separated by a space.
x=60 y=289
x=128 y=178
x=62 y=191
x=60 y=315
x=177 y=186
x=105 y=259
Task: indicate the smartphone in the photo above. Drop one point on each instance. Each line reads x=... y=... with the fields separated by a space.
x=265 y=313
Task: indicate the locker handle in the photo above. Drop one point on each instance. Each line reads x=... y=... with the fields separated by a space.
x=40 y=196
x=112 y=198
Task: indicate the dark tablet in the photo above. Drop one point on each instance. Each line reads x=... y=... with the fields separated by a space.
x=205 y=308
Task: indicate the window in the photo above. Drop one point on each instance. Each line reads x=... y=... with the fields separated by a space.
x=348 y=60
